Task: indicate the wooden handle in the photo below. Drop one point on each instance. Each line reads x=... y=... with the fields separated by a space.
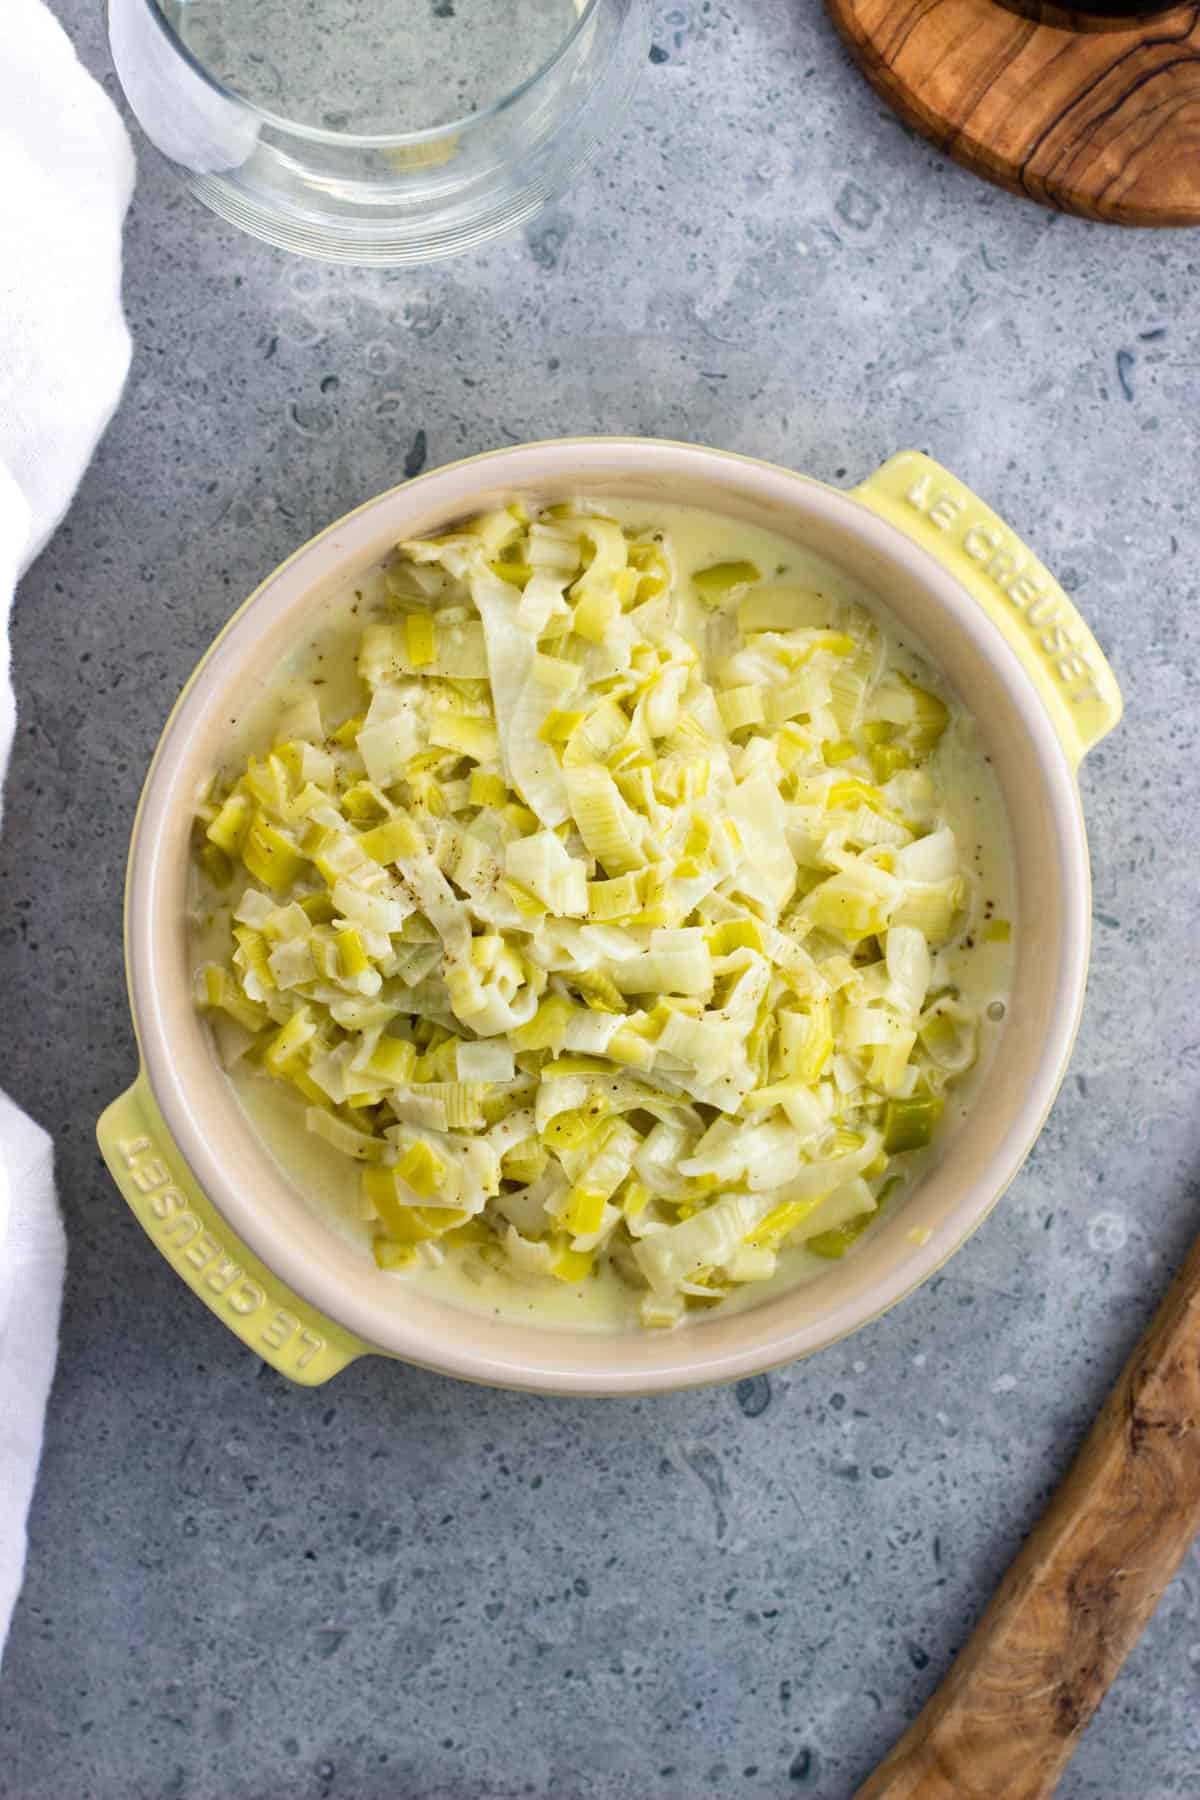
x=1006 y=1719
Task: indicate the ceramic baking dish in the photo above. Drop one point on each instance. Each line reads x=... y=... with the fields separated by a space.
x=306 y=1300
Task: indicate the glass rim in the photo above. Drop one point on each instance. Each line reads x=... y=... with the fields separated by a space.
x=321 y=134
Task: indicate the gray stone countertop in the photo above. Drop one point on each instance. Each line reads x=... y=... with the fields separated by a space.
x=403 y=1587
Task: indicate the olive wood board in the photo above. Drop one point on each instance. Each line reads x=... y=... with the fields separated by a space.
x=1006 y=1718
x=1103 y=123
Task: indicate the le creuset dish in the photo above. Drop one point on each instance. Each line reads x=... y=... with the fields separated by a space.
x=306 y=1300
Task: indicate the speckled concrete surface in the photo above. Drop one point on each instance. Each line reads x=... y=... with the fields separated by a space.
x=406 y=1588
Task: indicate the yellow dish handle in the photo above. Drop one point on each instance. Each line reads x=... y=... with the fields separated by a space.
x=1020 y=596
x=276 y=1324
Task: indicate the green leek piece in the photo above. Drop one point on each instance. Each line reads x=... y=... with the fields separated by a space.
x=887 y=759
x=603 y=818
x=721 y=581
x=216 y=989
x=741 y=706
x=735 y=934
x=271 y=857
x=930 y=719
x=574 y=1265
x=421 y=1169
x=229 y=828
x=390 y=1255
x=421 y=638
x=583 y=1212
x=390 y=842
x=252 y=956
x=835 y=1243
x=908 y=1124
x=775 y=608
x=518 y=574
x=487 y=789
x=352 y=953
x=839 y=750
x=595 y=615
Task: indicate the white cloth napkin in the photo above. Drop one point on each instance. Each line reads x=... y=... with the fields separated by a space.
x=66 y=174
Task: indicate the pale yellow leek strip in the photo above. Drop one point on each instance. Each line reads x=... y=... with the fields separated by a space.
x=228 y=830
x=573 y=1265
x=392 y=1061
x=384 y=913
x=708 y=1047
x=630 y=1049
x=421 y=640
x=386 y=653
x=599 y=990
x=216 y=988
x=801 y=1100
x=270 y=855
x=772 y=607
x=499 y=528
x=665 y=972
x=606 y=553
x=806 y=1040
x=596 y=613
x=709 y=1238
x=849 y=794
x=293 y=1037
x=541 y=865
x=920 y=714
x=553 y=546
x=532 y=762
x=932 y=908
x=722 y=581
x=603 y=728
x=389 y=842
x=949 y=1033
x=889 y=1061
x=487 y=789
x=545 y=1030
x=462 y=1101
x=855 y=904
x=663 y=700
x=742 y=706
x=620 y=898
x=251 y=957
x=850 y=683
x=852 y=1200
x=360 y=1146
x=476 y=738
x=270 y=784
x=605 y=823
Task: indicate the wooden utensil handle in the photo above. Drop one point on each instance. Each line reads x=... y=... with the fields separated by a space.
x=1006 y=1719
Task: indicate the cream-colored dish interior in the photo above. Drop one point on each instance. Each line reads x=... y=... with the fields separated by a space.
x=242 y=1179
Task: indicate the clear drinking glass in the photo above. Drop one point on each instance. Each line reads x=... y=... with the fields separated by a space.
x=377 y=131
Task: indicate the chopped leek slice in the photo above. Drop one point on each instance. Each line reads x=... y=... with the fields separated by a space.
x=271 y=857
x=908 y=1124
x=716 y=584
